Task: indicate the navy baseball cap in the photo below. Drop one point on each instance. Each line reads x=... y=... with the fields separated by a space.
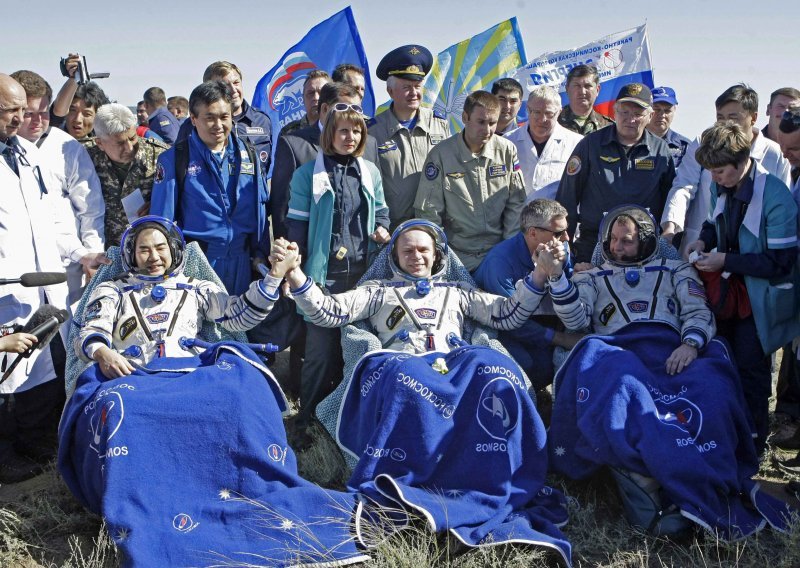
x=636 y=93
x=664 y=95
x=407 y=62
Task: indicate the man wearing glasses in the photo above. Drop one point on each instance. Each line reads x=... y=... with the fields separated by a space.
x=543 y=145
x=542 y=222
x=406 y=132
x=622 y=163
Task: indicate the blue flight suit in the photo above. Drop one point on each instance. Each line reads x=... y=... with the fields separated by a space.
x=530 y=345
x=223 y=206
x=251 y=125
x=601 y=175
x=677 y=145
x=164 y=123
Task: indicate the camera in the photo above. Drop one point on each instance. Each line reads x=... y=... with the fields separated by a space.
x=82 y=75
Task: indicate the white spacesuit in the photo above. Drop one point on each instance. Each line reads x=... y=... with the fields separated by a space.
x=608 y=297
x=418 y=314
x=145 y=317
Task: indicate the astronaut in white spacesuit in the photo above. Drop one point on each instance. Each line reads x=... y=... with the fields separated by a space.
x=415 y=310
x=143 y=315
x=633 y=284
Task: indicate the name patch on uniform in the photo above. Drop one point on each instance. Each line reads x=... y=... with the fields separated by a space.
x=387 y=147
x=638 y=307
x=248 y=168
x=164 y=122
x=696 y=289
x=93 y=311
x=431 y=171
x=159 y=317
x=254 y=130
x=194 y=169
x=436 y=139
x=606 y=314
x=127 y=327
x=159 y=177
x=426 y=313
x=497 y=170
x=394 y=317
x=456 y=175
x=610 y=159
x=573 y=165
x=644 y=164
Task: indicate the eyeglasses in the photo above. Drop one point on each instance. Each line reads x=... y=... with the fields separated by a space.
x=341 y=107
x=556 y=234
x=631 y=115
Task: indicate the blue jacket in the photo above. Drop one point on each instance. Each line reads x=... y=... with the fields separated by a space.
x=164 y=123
x=769 y=223
x=223 y=205
x=312 y=202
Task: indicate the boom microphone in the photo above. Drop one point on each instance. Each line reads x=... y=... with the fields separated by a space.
x=33 y=279
x=44 y=325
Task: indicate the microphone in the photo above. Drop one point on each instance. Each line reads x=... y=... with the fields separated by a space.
x=33 y=279
x=44 y=325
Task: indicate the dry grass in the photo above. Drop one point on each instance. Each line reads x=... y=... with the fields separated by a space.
x=41 y=525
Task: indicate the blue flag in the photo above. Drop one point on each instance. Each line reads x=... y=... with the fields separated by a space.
x=279 y=93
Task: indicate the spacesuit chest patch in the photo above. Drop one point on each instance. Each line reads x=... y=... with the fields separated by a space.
x=127 y=327
x=606 y=314
x=395 y=317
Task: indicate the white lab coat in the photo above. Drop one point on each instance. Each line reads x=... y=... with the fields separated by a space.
x=689 y=199
x=542 y=174
x=34 y=236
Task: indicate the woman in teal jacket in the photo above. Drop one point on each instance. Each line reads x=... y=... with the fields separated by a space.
x=338 y=216
x=753 y=227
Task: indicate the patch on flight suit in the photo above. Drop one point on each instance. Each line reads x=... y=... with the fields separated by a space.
x=573 y=166
x=387 y=147
x=395 y=317
x=426 y=313
x=193 y=169
x=610 y=159
x=263 y=155
x=435 y=139
x=606 y=314
x=243 y=154
x=159 y=174
x=159 y=317
x=517 y=167
x=253 y=130
x=497 y=170
x=431 y=171
x=638 y=307
x=164 y=122
x=248 y=169
x=644 y=164
x=127 y=327
x=696 y=289
x=456 y=175
x=92 y=311
x=671 y=305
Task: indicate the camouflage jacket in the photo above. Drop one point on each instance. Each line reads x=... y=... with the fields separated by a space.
x=595 y=121
x=140 y=176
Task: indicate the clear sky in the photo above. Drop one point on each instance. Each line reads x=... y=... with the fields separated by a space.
x=698 y=47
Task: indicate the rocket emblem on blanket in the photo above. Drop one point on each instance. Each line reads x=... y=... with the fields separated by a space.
x=106 y=421
x=680 y=413
x=498 y=408
x=183 y=523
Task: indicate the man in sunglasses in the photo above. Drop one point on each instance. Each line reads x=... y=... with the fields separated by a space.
x=543 y=221
x=406 y=132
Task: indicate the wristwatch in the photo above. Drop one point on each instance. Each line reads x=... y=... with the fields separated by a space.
x=691 y=342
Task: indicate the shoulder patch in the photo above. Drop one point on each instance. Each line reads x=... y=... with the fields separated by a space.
x=573 y=166
x=431 y=171
x=439 y=114
x=92 y=311
x=159 y=177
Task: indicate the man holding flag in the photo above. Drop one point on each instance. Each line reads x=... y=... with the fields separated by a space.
x=406 y=132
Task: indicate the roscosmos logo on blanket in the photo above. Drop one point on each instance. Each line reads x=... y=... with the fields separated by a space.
x=498 y=409
x=107 y=414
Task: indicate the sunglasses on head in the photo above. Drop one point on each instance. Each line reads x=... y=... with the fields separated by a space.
x=341 y=107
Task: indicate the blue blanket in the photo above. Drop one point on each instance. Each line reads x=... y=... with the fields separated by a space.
x=190 y=467
x=615 y=405
x=465 y=450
